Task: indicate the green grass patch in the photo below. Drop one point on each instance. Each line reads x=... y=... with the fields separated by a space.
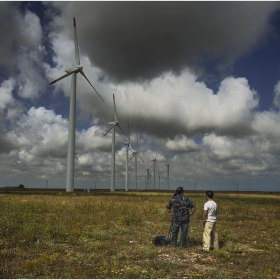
x=54 y=234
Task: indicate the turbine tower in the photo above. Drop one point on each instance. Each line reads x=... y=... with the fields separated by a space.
x=135 y=154
x=72 y=112
x=127 y=144
x=113 y=124
x=168 y=175
x=154 y=160
x=147 y=184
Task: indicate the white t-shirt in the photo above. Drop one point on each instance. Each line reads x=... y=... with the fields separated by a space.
x=211 y=206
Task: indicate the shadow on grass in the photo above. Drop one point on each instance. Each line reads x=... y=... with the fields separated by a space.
x=221 y=244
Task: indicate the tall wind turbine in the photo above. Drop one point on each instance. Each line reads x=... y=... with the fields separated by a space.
x=72 y=112
x=135 y=154
x=113 y=124
x=127 y=144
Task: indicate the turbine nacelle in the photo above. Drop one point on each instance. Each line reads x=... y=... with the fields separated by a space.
x=78 y=68
x=113 y=123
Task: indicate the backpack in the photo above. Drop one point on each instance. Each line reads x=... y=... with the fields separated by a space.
x=161 y=240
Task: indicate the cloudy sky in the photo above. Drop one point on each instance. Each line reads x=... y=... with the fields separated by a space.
x=198 y=83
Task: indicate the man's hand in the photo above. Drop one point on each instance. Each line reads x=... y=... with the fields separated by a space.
x=193 y=209
x=169 y=211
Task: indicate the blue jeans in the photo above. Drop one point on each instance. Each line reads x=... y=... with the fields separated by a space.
x=184 y=232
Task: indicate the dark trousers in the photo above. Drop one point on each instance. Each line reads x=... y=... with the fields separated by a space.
x=184 y=232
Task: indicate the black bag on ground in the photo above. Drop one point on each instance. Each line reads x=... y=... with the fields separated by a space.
x=161 y=240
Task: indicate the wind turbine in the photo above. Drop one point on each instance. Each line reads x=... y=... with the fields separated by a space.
x=168 y=175
x=72 y=112
x=127 y=144
x=135 y=154
x=148 y=177
x=167 y=165
x=154 y=160
x=113 y=124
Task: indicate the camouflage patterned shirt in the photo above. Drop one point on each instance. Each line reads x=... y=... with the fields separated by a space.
x=181 y=205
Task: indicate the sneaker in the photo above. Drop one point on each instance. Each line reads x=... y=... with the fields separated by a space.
x=203 y=251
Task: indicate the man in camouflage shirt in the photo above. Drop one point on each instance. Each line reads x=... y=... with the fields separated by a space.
x=181 y=215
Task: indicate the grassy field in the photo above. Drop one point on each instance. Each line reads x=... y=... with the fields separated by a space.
x=54 y=234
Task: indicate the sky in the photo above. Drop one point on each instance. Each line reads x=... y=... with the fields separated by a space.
x=198 y=83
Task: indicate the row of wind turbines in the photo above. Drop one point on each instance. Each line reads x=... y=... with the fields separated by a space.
x=135 y=155
x=74 y=70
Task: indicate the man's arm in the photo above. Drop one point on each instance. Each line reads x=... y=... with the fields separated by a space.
x=192 y=211
x=168 y=207
x=204 y=216
x=169 y=211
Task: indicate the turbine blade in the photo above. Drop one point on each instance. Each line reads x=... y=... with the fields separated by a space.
x=82 y=72
x=132 y=156
x=141 y=158
x=76 y=43
x=115 y=110
x=62 y=77
x=109 y=129
x=121 y=129
x=137 y=144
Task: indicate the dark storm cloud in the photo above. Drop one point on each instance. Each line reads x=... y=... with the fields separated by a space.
x=5 y=145
x=134 y=41
x=20 y=31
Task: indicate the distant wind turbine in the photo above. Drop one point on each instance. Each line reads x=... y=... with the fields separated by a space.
x=135 y=154
x=154 y=160
x=148 y=177
x=167 y=165
x=113 y=124
x=127 y=144
x=72 y=112
x=168 y=175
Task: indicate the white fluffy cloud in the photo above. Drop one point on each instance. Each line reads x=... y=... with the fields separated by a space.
x=276 y=100
x=181 y=144
x=6 y=96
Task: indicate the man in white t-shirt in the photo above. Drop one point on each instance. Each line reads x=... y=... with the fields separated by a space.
x=210 y=237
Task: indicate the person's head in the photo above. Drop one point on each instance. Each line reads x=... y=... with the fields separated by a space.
x=179 y=190
x=209 y=194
